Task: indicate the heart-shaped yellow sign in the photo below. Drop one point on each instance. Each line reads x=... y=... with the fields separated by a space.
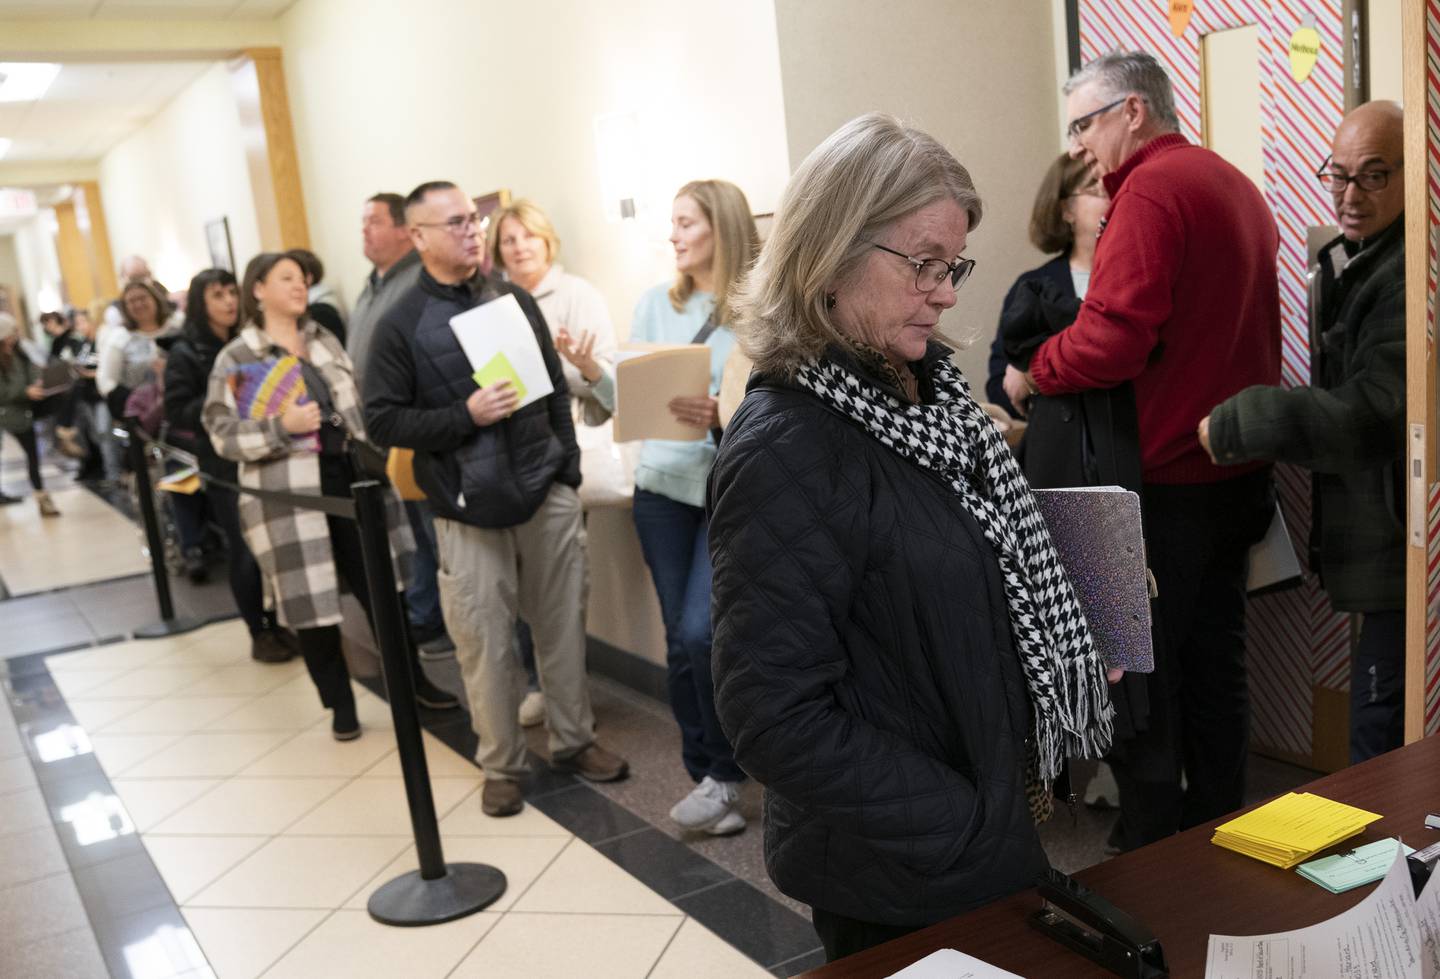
x=1180 y=11
x=1304 y=49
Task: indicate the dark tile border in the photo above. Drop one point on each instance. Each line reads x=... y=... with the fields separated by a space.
x=744 y=917
x=125 y=898
x=627 y=669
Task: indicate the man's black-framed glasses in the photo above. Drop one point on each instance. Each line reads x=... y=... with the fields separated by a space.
x=1081 y=123
x=457 y=225
x=1337 y=181
x=930 y=272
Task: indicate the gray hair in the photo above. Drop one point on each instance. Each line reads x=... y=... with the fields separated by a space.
x=865 y=176
x=1122 y=73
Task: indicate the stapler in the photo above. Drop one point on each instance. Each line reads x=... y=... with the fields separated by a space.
x=1085 y=922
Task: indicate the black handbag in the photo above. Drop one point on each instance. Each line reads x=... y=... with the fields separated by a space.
x=335 y=438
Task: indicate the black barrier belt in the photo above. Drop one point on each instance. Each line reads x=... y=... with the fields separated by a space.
x=335 y=506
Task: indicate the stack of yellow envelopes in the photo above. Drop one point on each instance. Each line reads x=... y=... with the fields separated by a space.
x=1292 y=828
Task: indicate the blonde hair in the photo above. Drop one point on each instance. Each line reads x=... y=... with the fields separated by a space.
x=736 y=243
x=532 y=219
x=865 y=176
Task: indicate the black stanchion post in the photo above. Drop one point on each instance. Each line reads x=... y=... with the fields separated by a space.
x=168 y=625
x=438 y=891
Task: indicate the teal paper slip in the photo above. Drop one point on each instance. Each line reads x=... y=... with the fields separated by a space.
x=499 y=368
x=1363 y=865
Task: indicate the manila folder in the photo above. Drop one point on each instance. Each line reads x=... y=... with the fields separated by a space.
x=1097 y=532
x=647 y=378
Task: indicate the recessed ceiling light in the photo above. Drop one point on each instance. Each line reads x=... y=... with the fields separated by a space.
x=25 y=81
x=4 y=146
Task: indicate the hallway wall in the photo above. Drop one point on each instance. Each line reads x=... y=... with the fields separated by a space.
x=183 y=169
x=492 y=95
x=978 y=76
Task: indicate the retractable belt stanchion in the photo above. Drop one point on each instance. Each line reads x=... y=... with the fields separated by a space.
x=169 y=624
x=437 y=891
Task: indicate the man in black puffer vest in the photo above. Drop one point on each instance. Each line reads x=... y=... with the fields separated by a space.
x=502 y=483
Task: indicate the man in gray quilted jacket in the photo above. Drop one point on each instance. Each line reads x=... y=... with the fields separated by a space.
x=1347 y=425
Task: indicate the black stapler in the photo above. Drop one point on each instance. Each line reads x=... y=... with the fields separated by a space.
x=1085 y=922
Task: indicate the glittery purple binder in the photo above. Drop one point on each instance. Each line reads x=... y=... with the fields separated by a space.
x=1097 y=532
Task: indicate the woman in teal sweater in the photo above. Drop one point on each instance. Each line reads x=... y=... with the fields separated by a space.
x=715 y=243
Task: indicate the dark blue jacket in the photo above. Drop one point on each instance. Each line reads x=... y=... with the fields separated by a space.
x=417 y=379
x=1057 y=271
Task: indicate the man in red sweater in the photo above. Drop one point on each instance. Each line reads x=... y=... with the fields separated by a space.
x=1184 y=303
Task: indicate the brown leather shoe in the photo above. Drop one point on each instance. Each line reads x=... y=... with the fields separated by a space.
x=501 y=797
x=594 y=764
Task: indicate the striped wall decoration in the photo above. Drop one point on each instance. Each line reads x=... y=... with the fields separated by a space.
x=1432 y=171
x=1296 y=639
x=1432 y=606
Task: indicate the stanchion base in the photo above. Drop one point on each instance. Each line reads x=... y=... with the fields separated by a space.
x=409 y=900
x=168 y=627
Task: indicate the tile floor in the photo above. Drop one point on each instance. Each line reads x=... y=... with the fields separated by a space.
x=270 y=836
x=170 y=808
x=89 y=542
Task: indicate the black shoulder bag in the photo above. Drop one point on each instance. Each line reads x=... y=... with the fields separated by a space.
x=335 y=438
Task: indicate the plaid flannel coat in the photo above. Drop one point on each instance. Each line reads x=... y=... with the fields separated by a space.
x=292 y=546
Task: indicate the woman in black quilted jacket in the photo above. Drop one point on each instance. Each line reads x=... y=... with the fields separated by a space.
x=898 y=654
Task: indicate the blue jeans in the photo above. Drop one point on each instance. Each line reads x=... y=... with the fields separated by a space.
x=422 y=596
x=673 y=538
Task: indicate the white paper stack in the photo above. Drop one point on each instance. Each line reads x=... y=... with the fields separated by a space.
x=498 y=340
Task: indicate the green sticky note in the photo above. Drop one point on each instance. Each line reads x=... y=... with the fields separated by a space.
x=1363 y=865
x=499 y=368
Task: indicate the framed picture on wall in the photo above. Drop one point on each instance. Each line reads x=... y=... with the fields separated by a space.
x=217 y=236
x=763 y=224
x=486 y=205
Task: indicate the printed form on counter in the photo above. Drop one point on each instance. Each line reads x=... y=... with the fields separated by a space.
x=1389 y=935
x=948 y=963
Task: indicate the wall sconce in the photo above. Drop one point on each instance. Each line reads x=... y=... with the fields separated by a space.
x=621 y=164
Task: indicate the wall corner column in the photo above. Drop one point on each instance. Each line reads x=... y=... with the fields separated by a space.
x=258 y=79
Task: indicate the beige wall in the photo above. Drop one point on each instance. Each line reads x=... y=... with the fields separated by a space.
x=1386 y=80
x=493 y=95
x=515 y=107
x=183 y=169
x=978 y=75
x=34 y=242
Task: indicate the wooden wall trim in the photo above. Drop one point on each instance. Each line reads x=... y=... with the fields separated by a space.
x=70 y=249
x=1419 y=357
x=102 y=259
x=280 y=138
x=258 y=80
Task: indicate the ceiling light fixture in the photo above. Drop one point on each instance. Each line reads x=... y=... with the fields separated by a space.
x=25 y=81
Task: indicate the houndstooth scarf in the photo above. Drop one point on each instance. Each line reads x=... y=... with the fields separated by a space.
x=954 y=439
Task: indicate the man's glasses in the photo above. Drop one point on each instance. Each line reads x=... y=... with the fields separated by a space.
x=457 y=225
x=1336 y=181
x=1082 y=123
x=930 y=272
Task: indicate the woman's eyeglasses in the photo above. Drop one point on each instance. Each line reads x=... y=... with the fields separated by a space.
x=930 y=272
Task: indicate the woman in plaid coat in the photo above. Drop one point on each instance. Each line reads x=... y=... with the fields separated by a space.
x=263 y=410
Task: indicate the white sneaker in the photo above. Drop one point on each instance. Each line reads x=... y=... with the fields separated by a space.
x=730 y=823
x=707 y=805
x=532 y=709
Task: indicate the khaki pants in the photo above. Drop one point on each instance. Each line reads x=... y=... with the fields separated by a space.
x=536 y=570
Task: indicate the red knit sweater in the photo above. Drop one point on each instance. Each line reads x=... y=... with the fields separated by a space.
x=1183 y=300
